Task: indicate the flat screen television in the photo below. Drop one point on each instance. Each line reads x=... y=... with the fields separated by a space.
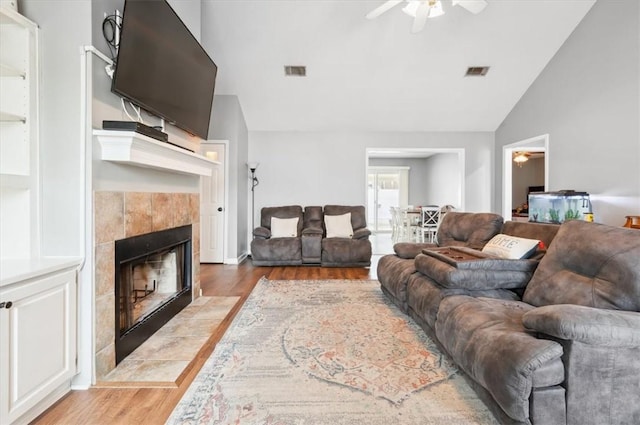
x=162 y=68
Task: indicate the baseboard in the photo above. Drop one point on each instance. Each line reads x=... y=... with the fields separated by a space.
x=236 y=261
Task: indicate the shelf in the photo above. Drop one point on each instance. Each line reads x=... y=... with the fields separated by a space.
x=15 y=181
x=18 y=270
x=129 y=147
x=10 y=71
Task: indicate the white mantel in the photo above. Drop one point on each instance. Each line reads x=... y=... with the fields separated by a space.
x=129 y=147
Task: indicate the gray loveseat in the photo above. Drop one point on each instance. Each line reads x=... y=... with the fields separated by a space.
x=561 y=346
x=310 y=244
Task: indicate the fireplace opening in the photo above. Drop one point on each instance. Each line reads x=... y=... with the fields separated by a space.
x=153 y=283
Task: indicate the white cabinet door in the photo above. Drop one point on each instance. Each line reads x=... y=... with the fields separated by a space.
x=37 y=341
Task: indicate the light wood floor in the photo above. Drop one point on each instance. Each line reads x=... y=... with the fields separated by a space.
x=107 y=406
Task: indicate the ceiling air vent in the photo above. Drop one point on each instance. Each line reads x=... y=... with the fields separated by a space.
x=295 y=71
x=477 y=71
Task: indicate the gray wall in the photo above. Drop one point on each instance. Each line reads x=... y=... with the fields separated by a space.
x=227 y=123
x=587 y=99
x=442 y=179
x=317 y=168
x=432 y=181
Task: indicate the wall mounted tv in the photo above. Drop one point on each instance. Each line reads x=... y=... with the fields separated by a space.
x=162 y=68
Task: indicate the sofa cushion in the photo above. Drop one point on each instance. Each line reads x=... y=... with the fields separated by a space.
x=487 y=340
x=424 y=296
x=284 y=227
x=473 y=270
x=338 y=226
x=511 y=247
x=589 y=264
x=358 y=216
x=288 y=211
x=468 y=229
x=346 y=252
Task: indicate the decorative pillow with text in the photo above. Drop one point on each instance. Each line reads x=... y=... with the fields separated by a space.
x=511 y=247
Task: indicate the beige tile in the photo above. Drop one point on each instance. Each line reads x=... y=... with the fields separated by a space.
x=105 y=273
x=195 y=238
x=109 y=216
x=169 y=348
x=105 y=321
x=105 y=361
x=124 y=371
x=161 y=211
x=189 y=327
x=159 y=370
x=137 y=213
x=194 y=207
x=182 y=211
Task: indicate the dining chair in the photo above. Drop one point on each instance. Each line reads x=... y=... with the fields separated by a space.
x=430 y=218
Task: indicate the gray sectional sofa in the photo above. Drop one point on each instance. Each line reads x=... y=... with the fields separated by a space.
x=553 y=339
x=310 y=244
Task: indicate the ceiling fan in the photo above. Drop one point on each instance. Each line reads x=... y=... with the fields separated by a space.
x=423 y=9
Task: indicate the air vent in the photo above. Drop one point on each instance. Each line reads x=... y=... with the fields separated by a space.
x=295 y=71
x=477 y=71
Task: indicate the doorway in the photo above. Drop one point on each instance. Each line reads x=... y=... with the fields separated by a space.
x=434 y=176
x=212 y=205
x=530 y=148
x=387 y=187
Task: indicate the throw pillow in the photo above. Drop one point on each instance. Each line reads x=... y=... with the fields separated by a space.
x=512 y=247
x=284 y=227
x=338 y=226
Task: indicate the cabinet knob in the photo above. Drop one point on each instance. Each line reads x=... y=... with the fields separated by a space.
x=7 y=304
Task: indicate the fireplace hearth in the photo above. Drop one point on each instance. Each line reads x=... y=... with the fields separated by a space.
x=153 y=283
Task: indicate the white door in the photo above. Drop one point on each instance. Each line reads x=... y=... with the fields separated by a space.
x=212 y=206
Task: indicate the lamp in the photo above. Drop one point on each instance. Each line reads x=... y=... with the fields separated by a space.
x=520 y=158
x=253 y=166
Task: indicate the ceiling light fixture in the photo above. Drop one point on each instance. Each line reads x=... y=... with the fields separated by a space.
x=420 y=10
x=520 y=158
x=435 y=8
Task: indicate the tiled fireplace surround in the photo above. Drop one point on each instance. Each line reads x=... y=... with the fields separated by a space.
x=119 y=215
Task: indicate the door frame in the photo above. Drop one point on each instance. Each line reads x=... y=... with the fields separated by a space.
x=225 y=218
x=533 y=144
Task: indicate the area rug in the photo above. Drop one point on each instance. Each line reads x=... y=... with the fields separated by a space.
x=327 y=352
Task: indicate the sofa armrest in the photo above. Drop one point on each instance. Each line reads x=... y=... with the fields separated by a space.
x=262 y=233
x=593 y=326
x=363 y=233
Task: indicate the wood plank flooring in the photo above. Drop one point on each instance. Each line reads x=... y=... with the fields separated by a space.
x=115 y=406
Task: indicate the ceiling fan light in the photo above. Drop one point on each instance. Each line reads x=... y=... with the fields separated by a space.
x=435 y=10
x=520 y=157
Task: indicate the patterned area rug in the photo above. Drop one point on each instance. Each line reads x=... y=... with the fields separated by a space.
x=327 y=352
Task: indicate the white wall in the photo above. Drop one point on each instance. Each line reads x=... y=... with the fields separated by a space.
x=308 y=168
x=60 y=138
x=587 y=99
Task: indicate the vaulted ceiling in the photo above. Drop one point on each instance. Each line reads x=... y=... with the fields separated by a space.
x=375 y=75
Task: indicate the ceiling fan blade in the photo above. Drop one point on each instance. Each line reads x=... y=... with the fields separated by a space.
x=421 y=17
x=382 y=8
x=473 y=6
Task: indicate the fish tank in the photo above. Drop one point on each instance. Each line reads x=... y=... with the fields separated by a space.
x=558 y=207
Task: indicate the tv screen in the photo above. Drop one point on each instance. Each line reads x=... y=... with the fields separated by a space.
x=162 y=68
